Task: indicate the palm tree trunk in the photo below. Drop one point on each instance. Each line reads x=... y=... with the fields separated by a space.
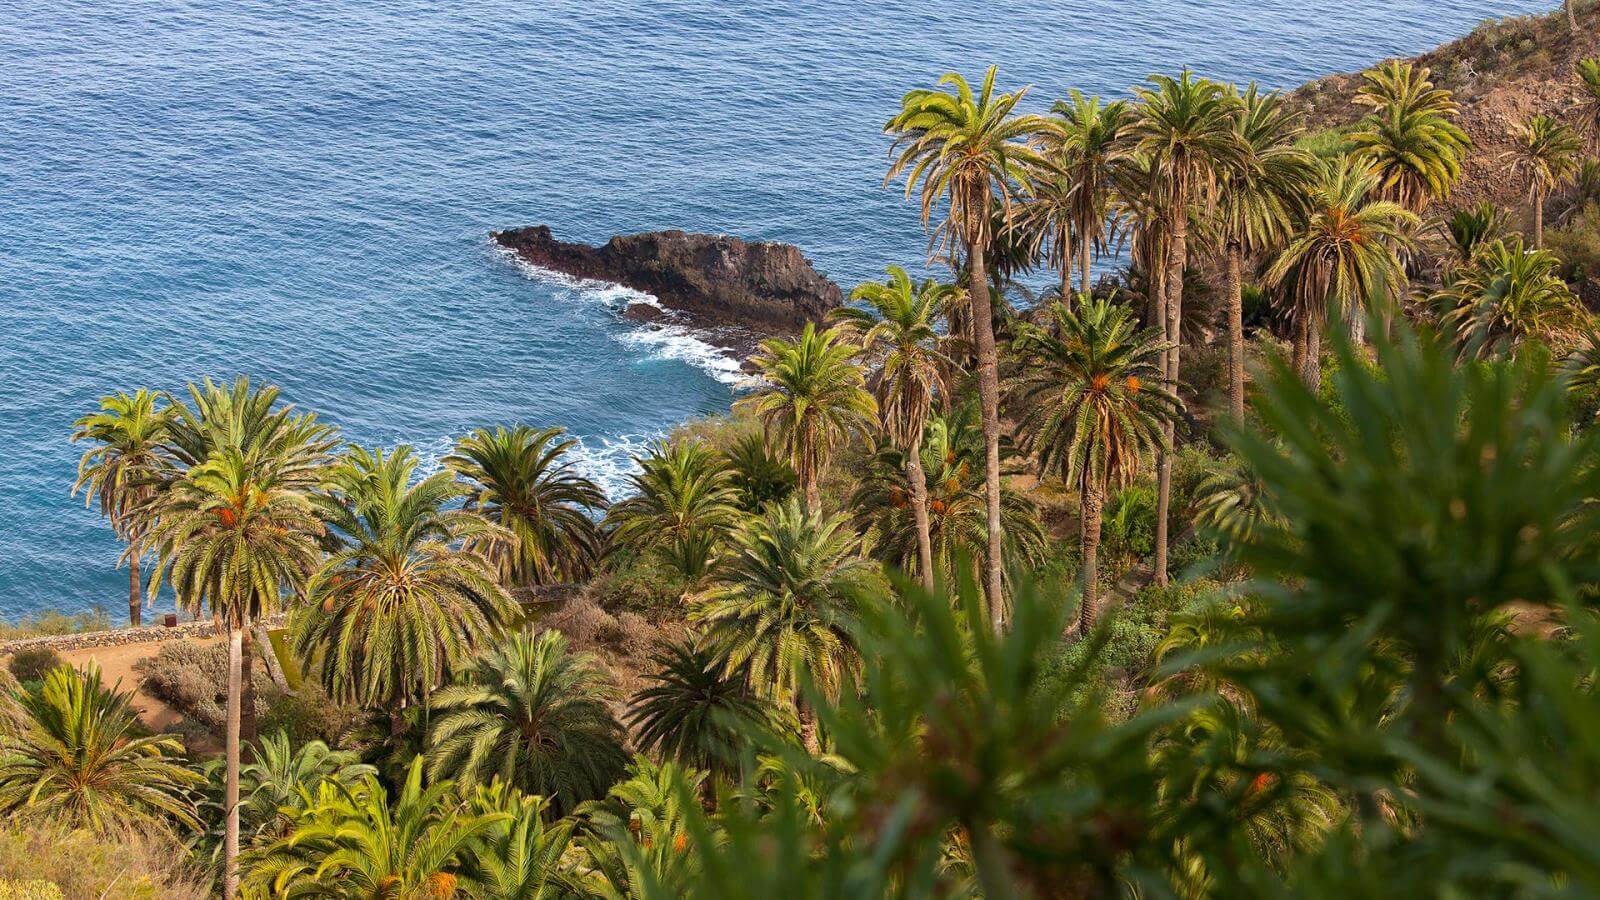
x=1236 y=329
x=989 y=395
x=230 y=840
x=1066 y=282
x=919 y=511
x=1572 y=15
x=1311 y=360
x=247 y=694
x=1089 y=542
x=1177 y=261
x=135 y=591
x=808 y=725
x=1538 y=220
x=1357 y=324
x=1083 y=265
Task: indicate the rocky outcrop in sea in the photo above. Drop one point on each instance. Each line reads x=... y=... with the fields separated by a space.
x=717 y=280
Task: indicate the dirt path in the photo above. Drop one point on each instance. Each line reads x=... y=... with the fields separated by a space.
x=116 y=663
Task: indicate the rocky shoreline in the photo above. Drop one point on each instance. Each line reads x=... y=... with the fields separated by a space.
x=720 y=282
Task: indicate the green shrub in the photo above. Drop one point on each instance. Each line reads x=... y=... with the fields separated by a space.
x=29 y=890
x=52 y=622
x=32 y=663
x=307 y=715
x=83 y=865
x=1128 y=525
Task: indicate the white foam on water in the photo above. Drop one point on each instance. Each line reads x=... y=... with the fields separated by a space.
x=663 y=339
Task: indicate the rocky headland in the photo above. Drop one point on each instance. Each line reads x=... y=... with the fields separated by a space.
x=718 y=281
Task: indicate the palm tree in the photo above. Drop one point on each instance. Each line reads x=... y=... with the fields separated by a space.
x=813 y=398
x=684 y=506
x=519 y=857
x=353 y=842
x=79 y=757
x=1468 y=230
x=952 y=455
x=1081 y=142
x=1507 y=295
x=637 y=840
x=1092 y=408
x=777 y=612
x=693 y=709
x=900 y=326
x=124 y=470
x=1342 y=255
x=1187 y=129
x=967 y=151
x=1544 y=153
x=760 y=476
x=535 y=716
x=232 y=537
x=1589 y=98
x=402 y=602
x=1257 y=203
x=1411 y=139
x=520 y=479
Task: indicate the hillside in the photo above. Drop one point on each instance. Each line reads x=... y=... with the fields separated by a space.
x=1501 y=73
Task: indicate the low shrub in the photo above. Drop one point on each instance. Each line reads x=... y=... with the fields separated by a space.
x=41 y=859
x=307 y=714
x=52 y=622
x=32 y=663
x=193 y=679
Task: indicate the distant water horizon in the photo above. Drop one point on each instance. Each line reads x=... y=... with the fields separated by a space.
x=303 y=194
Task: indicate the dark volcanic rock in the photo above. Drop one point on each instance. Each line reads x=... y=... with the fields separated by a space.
x=718 y=280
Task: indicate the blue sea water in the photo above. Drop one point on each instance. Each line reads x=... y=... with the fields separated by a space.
x=303 y=191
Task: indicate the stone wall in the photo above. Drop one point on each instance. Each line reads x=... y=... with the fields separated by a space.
x=62 y=643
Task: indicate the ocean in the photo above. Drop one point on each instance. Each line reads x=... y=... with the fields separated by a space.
x=303 y=193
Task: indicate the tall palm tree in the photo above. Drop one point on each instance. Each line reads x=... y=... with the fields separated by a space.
x=1343 y=254
x=1081 y=142
x=952 y=455
x=535 y=716
x=899 y=323
x=521 y=479
x=777 y=612
x=685 y=505
x=1257 y=203
x=1410 y=139
x=124 y=470
x=1092 y=409
x=79 y=757
x=968 y=152
x=1545 y=154
x=1186 y=127
x=402 y=602
x=813 y=398
x=231 y=537
x=353 y=842
x=1589 y=98
x=693 y=708
x=1507 y=295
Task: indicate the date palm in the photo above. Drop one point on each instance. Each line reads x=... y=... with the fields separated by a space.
x=1080 y=142
x=813 y=398
x=1410 y=139
x=78 y=756
x=521 y=856
x=692 y=709
x=1092 y=409
x=124 y=470
x=406 y=598
x=1469 y=230
x=952 y=455
x=534 y=715
x=1343 y=254
x=1506 y=295
x=967 y=151
x=521 y=479
x=1545 y=154
x=354 y=842
x=1589 y=98
x=777 y=612
x=684 y=505
x=231 y=537
x=1257 y=202
x=1187 y=128
x=898 y=322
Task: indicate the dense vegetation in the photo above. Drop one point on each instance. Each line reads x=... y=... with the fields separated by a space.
x=1263 y=567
